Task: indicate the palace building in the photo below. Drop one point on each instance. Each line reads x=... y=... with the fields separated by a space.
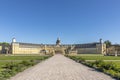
x=30 y=48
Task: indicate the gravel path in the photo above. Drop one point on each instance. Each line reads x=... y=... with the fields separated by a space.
x=59 y=67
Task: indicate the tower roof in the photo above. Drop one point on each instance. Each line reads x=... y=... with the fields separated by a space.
x=13 y=40
x=58 y=41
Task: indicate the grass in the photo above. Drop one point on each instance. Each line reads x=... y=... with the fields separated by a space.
x=100 y=57
x=2 y=63
x=97 y=57
x=89 y=55
x=7 y=59
x=115 y=60
x=19 y=57
x=12 y=64
x=117 y=63
x=106 y=64
x=4 y=59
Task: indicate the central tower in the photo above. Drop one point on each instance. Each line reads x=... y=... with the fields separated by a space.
x=58 y=42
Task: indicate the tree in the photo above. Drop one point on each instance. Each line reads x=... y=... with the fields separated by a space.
x=108 y=43
x=5 y=47
x=5 y=44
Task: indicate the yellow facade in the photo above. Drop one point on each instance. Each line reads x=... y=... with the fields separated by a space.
x=27 y=48
x=0 y=49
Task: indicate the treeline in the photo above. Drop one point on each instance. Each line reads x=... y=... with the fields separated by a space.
x=4 y=44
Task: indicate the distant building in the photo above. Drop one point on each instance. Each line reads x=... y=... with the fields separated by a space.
x=29 y=48
x=113 y=50
x=0 y=48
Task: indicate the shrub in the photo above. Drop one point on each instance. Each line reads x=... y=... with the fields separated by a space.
x=107 y=67
x=90 y=64
x=12 y=68
x=77 y=58
x=10 y=65
x=6 y=73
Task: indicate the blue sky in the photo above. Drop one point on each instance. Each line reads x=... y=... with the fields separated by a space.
x=74 y=21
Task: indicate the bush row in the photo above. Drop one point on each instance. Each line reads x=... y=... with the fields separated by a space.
x=106 y=67
x=12 y=68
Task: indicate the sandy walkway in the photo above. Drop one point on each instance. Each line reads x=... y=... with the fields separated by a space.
x=59 y=67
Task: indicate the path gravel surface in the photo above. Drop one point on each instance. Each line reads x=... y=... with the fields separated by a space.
x=59 y=67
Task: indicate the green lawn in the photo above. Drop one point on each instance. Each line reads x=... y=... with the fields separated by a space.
x=97 y=57
x=13 y=64
x=89 y=55
x=4 y=59
x=20 y=57
x=107 y=64
x=117 y=63
x=3 y=63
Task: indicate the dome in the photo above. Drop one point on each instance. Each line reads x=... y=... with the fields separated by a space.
x=13 y=40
